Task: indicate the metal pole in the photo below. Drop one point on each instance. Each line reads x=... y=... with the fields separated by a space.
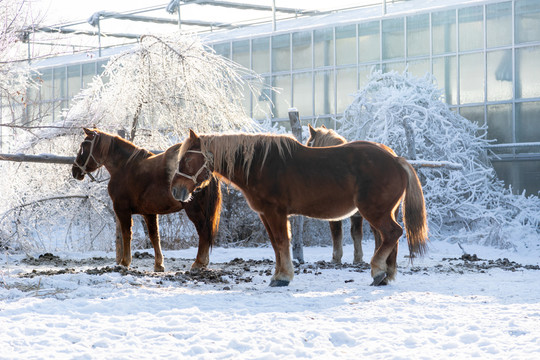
x=297 y=222
x=384 y=7
x=179 y=18
x=273 y=15
x=99 y=38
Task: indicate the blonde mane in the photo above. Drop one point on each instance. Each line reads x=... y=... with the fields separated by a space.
x=221 y=150
x=327 y=137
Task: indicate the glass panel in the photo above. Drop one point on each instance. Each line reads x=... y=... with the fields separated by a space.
x=529 y=177
x=474 y=114
x=324 y=93
x=505 y=173
x=471 y=78
x=281 y=53
x=499 y=75
x=301 y=50
x=499 y=120
x=261 y=102
x=346 y=45
x=246 y=100
x=527 y=20
x=418 y=35
x=74 y=80
x=364 y=73
x=303 y=93
x=393 y=39
x=261 y=55
x=88 y=73
x=418 y=68
x=499 y=24
x=527 y=73
x=395 y=66
x=46 y=85
x=324 y=47
x=60 y=83
x=32 y=95
x=346 y=87
x=471 y=28
x=282 y=98
x=369 y=44
x=528 y=122
x=241 y=52
x=223 y=49
x=444 y=32
x=101 y=66
x=445 y=72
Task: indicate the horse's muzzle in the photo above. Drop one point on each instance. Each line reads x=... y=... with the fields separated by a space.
x=77 y=173
x=180 y=193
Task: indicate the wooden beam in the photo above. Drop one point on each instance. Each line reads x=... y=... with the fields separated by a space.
x=41 y=158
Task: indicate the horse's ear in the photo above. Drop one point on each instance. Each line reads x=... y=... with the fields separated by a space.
x=192 y=135
x=88 y=131
x=324 y=127
x=312 y=131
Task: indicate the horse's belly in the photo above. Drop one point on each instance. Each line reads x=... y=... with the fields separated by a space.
x=327 y=209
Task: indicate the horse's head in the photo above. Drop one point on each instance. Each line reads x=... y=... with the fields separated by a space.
x=321 y=136
x=86 y=162
x=194 y=170
x=314 y=135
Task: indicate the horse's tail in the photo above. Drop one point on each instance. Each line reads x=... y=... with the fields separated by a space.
x=414 y=212
x=212 y=210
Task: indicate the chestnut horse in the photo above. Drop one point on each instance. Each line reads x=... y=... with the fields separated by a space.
x=140 y=184
x=321 y=137
x=279 y=177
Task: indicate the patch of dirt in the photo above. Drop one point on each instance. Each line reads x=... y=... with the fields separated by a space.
x=238 y=270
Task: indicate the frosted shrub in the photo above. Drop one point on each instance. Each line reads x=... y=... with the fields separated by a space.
x=407 y=114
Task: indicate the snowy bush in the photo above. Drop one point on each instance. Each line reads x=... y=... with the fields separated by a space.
x=407 y=114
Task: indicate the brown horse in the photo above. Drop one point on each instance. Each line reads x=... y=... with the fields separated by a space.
x=140 y=184
x=321 y=137
x=279 y=177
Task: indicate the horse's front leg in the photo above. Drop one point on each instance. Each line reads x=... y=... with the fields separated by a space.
x=196 y=215
x=125 y=222
x=337 y=241
x=276 y=225
x=153 y=233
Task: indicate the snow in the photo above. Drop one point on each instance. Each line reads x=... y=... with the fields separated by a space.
x=433 y=310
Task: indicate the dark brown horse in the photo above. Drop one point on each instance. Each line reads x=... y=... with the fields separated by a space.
x=321 y=137
x=280 y=177
x=140 y=184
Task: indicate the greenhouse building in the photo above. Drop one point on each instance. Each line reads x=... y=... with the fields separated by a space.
x=483 y=55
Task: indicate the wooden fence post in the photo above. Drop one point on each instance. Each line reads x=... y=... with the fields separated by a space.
x=297 y=222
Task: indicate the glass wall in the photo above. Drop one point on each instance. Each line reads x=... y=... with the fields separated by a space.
x=483 y=58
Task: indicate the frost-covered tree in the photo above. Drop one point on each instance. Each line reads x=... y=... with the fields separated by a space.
x=153 y=93
x=408 y=114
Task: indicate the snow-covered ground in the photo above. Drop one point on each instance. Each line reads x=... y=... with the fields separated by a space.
x=437 y=309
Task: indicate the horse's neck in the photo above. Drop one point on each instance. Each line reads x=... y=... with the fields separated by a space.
x=119 y=154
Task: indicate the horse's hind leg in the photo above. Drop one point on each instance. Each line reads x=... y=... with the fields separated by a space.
x=356 y=234
x=337 y=241
x=390 y=232
x=119 y=243
x=153 y=233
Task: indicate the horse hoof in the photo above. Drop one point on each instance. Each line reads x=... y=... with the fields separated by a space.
x=159 y=268
x=379 y=280
x=276 y=283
